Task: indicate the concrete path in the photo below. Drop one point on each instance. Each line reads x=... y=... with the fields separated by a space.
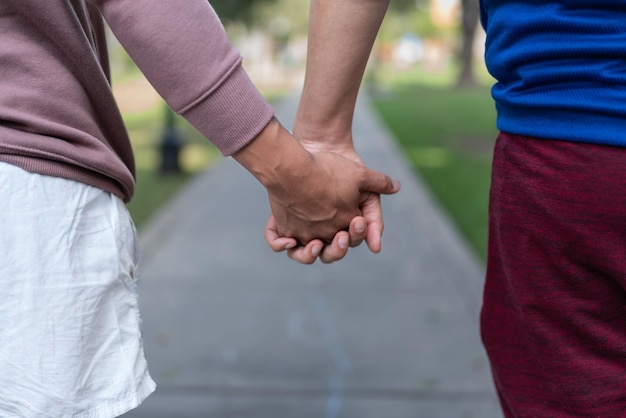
x=233 y=330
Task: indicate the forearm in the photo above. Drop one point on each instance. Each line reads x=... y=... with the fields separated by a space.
x=341 y=35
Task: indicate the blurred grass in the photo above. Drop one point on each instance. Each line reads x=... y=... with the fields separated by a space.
x=448 y=136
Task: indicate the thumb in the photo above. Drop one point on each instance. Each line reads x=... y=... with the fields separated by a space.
x=377 y=182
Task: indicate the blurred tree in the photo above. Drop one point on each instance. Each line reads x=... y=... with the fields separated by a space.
x=408 y=16
x=469 y=22
x=236 y=10
x=408 y=5
x=402 y=5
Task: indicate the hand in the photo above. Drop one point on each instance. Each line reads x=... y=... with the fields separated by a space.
x=326 y=197
x=308 y=253
x=312 y=196
x=370 y=206
x=368 y=227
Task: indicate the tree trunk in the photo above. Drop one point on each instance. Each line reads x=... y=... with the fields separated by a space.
x=469 y=22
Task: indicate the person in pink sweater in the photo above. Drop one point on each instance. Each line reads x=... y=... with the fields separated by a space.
x=70 y=344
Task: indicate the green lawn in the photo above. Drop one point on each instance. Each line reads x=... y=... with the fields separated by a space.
x=448 y=136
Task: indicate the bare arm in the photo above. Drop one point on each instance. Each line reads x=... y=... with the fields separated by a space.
x=341 y=36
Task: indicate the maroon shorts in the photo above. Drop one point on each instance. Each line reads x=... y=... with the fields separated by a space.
x=554 y=314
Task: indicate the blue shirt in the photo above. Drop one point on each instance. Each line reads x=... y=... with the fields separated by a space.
x=560 y=68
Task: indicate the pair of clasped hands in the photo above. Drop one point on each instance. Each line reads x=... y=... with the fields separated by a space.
x=323 y=198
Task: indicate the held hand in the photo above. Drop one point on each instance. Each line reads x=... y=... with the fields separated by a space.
x=329 y=195
x=314 y=197
x=371 y=207
x=307 y=254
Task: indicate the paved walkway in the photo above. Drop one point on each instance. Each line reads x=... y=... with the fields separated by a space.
x=233 y=330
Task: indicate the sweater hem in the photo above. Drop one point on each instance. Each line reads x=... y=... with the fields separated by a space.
x=564 y=125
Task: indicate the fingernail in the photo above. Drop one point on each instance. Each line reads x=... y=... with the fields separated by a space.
x=396 y=184
x=315 y=251
x=343 y=242
x=359 y=227
x=290 y=245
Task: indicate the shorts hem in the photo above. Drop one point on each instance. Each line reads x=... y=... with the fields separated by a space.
x=122 y=406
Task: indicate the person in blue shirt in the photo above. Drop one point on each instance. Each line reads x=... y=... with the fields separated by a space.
x=554 y=313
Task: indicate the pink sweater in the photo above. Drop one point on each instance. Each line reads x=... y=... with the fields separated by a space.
x=57 y=112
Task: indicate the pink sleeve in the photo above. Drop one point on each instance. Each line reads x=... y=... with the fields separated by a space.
x=183 y=50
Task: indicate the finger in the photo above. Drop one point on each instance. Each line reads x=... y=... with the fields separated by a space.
x=377 y=182
x=306 y=254
x=372 y=211
x=275 y=241
x=337 y=249
x=357 y=230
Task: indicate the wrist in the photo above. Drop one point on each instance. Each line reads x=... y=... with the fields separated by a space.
x=274 y=157
x=315 y=139
x=327 y=129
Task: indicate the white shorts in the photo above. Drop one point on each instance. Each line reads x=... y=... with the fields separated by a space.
x=70 y=344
